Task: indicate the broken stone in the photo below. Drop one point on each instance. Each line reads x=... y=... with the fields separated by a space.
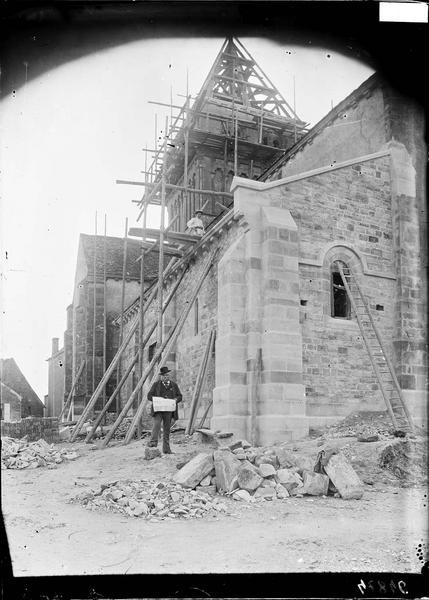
x=194 y=471
x=248 y=477
x=116 y=494
x=210 y=489
x=288 y=478
x=269 y=483
x=226 y=465
x=250 y=455
x=262 y=459
x=315 y=484
x=151 y=453
x=265 y=492
x=71 y=455
x=297 y=491
x=242 y=495
x=223 y=435
x=206 y=481
x=285 y=458
x=266 y=470
x=235 y=445
x=344 y=477
x=368 y=438
x=140 y=509
x=281 y=492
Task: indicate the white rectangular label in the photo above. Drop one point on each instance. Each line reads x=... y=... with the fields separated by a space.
x=404 y=12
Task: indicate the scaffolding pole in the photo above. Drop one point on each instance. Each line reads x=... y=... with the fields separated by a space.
x=104 y=305
x=161 y=241
x=185 y=170
x=135 y=358
x=94 y=316
x=170 y=186
x=166 y=347
x=141 y=311
x=121 y=330
x=117 y=357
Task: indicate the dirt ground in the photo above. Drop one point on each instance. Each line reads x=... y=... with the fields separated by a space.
x=49 y=535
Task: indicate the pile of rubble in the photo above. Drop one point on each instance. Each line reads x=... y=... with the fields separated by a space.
x=251 y=474
x=21 y=454
x=155 y=501
x=365 y=425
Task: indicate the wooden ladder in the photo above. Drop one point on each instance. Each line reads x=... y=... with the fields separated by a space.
x=380 y=361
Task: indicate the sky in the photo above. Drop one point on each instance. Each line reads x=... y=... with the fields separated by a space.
x=66 y=137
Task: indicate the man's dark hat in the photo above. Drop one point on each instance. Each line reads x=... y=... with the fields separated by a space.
x=164 y=371
x=198 y=211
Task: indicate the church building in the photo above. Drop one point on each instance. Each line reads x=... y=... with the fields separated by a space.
x=294 y=214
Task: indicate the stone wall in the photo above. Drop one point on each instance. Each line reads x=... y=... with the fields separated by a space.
x=187 y=355
x=357 y=129
x=34 y=428
x=342 y=214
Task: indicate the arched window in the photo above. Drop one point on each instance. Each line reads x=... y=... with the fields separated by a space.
x=340 y=302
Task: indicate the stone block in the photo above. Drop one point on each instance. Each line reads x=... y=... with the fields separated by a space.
x=285 y=457
x=206 y=481
x=242 y=495
x=262 y=459
x=265 y=492
x=208 y=489
x=248 y=478
x=344 y=477
x=315 y=484
x=288 y=478
x=226 y=466
x=269 y=483
x=266 y=470
x=151 y=453
x=281 y=491
x=194 y=471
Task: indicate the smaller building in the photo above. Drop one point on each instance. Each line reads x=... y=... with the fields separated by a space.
x=91 y=339
x=10 y=404
x=56 y=380
x=12 y=377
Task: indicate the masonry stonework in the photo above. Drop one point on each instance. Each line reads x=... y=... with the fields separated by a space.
x=350 y=190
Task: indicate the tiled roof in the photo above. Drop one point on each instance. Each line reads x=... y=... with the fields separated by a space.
x=115 y=257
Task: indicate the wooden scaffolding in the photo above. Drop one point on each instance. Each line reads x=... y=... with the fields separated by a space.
x=236 y=94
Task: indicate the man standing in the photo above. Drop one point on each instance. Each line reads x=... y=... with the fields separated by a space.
x=164 y=388
x=195 y=225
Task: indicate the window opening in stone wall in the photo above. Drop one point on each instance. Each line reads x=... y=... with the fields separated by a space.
x=196 y=328
x=379 y=307
x=340 y=303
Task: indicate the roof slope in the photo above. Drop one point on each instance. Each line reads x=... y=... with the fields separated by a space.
x=352 y=98
x=94 y=245
x=12 y=376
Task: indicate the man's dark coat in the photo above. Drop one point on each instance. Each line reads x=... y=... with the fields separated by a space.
x=161 y=390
